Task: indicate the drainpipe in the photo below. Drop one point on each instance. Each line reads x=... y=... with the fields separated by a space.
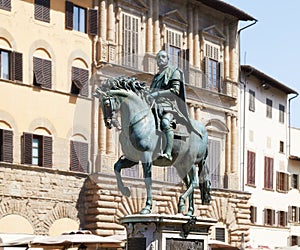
x=244 y=104
x=289 y=117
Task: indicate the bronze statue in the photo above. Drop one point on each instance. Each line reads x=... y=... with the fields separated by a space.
x=169 y=81
x=142 y=139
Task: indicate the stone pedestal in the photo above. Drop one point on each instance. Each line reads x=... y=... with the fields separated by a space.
x=166 y=232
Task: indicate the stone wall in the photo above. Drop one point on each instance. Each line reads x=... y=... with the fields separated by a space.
x=41 y=195
x=105 y=205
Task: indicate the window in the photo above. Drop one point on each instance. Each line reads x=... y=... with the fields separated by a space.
x=295 y=182
x=79 y=156
x=78 y=17
x=42 y=72
x=213 y=161
x=294 y=240
x=5 y=64
x=250 y=168
x=178 y=57
x=11 y=65
x=282 y=181
x=6 y=145
x=212 y=67
x=281 y=147
x=281 y=113
x=269 y=108
x=5 y=5
x=80 y=78
x=253 y=214
x=37 y=150
x=251 y=100
x=268 y=175
x=42 y=10
x=130 y=40
x=294 y=214
x=269 y=215
x=220 y=234
x=282 y=218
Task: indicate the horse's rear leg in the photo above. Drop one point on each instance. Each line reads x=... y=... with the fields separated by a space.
x=204 y=182
x=123 y=162
x=191 y=182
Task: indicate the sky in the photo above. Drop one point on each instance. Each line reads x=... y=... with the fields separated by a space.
x=272 y=45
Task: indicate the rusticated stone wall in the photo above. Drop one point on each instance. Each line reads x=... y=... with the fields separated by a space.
x=105 y=205
x=41 y=195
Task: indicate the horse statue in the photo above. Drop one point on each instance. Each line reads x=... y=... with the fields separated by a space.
x=141 y=141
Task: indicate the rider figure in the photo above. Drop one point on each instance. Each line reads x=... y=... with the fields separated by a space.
x=167 y=88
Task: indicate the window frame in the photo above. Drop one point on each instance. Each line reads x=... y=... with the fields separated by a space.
x=282 y=218
x=45 y=150
x=130 y=37
x=268 y=173
x=269 y=104
x=281 y=113
x=251 y=163
x=295 y=181
x=269 y=217
x=251 y=100
x=253 y=214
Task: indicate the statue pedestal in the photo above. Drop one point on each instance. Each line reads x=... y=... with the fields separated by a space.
x=166 y=232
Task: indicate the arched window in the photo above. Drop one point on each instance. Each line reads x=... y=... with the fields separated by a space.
x=80 y=78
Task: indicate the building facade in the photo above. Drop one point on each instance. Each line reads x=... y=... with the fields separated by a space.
x=54 y=54
x=268 y=171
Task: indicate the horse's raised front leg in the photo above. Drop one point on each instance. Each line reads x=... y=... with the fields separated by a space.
x=147 y=168
x=191 y=182
x=123 y=162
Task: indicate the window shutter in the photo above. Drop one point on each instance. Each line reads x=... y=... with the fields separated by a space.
x=42 y=10
x=47 y=72
x=38 y=71
x=273 y=217
x=184 y=62
x=78 y=156
x=17 y=66
x=277 y=180
x=69 y=15
x=206 y=65
x=27 y=148
x=5 y=4
x=47 y=151
x=84 y=75
x=7 y=145
x=93 y=22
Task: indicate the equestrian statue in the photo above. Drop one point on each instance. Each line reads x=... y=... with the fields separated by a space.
x=156 y=130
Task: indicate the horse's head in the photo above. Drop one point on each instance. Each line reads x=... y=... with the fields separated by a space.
x=109 y=105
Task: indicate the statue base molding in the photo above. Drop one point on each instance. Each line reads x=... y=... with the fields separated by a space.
x=166 y=232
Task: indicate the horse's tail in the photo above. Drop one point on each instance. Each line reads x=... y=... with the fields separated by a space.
x=204 y=180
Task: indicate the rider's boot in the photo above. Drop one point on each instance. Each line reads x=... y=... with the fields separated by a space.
x=167 y=154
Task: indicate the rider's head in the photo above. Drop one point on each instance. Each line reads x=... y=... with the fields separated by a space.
x=162 y=59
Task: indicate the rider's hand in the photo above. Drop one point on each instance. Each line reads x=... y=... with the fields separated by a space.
x=155 y=94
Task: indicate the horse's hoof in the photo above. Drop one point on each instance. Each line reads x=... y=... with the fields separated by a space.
x=125 y=191
x=146 y=210
x=189 y=213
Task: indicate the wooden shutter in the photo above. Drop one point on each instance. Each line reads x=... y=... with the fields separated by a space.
x=5 y=5
x=47 y=151
x=69 y=15
x=27 y=148
x=42 y=71
x=206 y=76
x=78 y=156
x=184 y=62
x=17 y=66
x=47 y=71
x=80 y=78
x=42 y=10
x=6 y=140
x=93 y=22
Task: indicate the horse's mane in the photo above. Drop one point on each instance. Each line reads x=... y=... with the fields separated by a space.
x=126 y=83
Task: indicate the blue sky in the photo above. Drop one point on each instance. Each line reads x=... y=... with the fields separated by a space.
x=272 y=45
